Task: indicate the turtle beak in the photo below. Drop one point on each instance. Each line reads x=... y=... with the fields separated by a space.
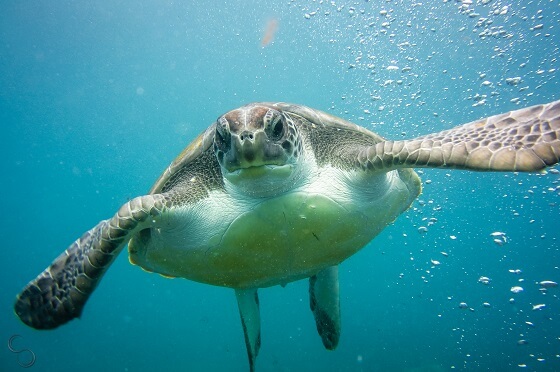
x=247 y=150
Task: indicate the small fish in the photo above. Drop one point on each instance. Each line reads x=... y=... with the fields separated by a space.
x=539 y=307
x=516 y=289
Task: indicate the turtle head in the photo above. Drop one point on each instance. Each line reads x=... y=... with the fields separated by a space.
x=257 y=146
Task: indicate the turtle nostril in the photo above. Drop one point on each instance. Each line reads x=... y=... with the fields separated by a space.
x=246 y=136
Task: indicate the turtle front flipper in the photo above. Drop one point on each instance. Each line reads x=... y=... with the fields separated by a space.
x=60 y=292
x=248 y=303
x=324 y=299
x=524 y=140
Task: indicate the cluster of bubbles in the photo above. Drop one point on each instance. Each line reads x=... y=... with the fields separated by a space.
x=402 y=62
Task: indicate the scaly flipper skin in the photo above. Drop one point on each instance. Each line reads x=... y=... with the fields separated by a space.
x=525 y=140
x=59 y=293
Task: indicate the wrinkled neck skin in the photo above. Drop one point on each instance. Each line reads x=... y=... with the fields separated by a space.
x=269 y=180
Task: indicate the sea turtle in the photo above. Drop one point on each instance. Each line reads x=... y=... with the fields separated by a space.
x=271 y=193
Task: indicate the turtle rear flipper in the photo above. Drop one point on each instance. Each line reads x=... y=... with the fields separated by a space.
x=324 y=299
x=248 y=303
x=60 y=292
x=525 y=140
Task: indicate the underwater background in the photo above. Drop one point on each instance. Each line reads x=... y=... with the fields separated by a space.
x=97 y=98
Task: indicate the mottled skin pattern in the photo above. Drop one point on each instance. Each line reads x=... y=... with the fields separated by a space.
x=522 y=140
x=60 y=292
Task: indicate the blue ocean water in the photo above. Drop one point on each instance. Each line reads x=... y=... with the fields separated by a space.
x=96 y=99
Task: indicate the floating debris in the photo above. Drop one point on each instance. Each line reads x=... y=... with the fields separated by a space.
x=270 y=31
x=516 y=289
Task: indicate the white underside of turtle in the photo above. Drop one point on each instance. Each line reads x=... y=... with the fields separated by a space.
x=275 y=192
x=241 y=241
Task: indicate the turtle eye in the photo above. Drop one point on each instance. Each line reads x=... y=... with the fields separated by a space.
x=274 y=125
x=222 y=137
